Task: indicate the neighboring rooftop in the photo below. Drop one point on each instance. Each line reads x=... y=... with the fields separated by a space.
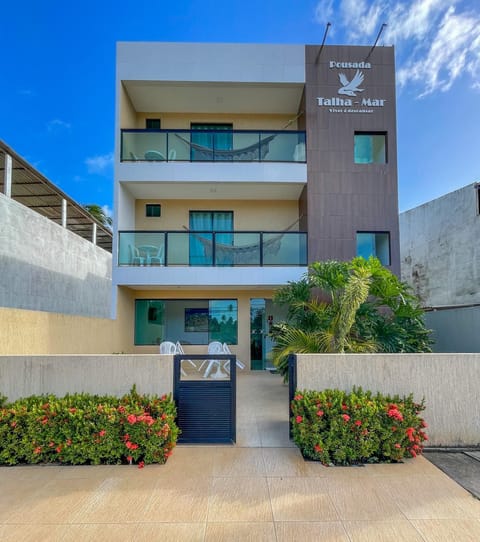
x=33 y=190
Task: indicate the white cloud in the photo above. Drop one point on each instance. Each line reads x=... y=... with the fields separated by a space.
x=99 y=165
x=57 y=125
x=437 y=41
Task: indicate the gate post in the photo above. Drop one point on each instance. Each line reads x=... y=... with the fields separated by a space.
x=292 y=386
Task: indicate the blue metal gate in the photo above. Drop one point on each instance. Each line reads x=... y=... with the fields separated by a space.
x=205 y=400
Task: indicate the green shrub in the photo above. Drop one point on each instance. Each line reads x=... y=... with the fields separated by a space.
x=88 y=429
x=341 y=428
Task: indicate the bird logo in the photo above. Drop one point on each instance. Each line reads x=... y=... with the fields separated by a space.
x=351 y=87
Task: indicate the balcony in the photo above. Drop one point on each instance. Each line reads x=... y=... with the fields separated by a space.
x=212 y=146
x=212 y=249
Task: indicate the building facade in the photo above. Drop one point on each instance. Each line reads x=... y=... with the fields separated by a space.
x=237 y=165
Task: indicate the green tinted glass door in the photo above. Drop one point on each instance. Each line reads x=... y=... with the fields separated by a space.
x=257 y=334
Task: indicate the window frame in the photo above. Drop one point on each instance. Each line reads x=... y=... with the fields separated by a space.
x=371 y=133
x=152 y=206
x=151 y=120
x=375 y=232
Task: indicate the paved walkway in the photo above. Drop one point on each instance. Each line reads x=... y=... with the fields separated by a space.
x=259 y=490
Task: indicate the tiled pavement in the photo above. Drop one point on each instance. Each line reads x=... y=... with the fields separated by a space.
x=260 y=489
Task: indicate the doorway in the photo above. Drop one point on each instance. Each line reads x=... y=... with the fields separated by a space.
x=263 y=314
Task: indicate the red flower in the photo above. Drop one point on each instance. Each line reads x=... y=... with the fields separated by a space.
x=410 y=432
x=358 y=423
x=424 y=423
x=320 y=413
x=141 y=464
x=37 y=450
x=51 y=444
x=131 y=418
x=299 y=419
x=102 y=433
x=131 y=445
x=58 y=449
x=344 y=407
x=346 y=417
x=126 y=437
x=13 y=424
x=72 y=410
x=69 y=442
x=129 y=459
x=318 y=448
x=397 y=445
x=298 y=397
x=121 y=408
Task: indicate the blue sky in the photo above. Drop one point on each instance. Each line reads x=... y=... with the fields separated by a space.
x=58 y=68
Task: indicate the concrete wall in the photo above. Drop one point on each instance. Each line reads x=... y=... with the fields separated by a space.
x=21 y=376
x=45 y=267
x=455 y=330
x=448 y=382
x=440 y=250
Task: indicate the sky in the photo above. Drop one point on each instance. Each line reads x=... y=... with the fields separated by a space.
x=57 y=76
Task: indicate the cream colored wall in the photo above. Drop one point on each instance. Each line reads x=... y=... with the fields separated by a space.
x=242 y=350
x=448 y=382
x=181 y=121
x=273 y=215
x=39 y=332
x=22 y=376
x=128 y=116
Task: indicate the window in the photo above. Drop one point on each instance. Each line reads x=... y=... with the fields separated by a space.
x=189 y=321
x=211 y=136
x=370 y=148
x=374 y=244
x=209 y=221
x=153 y=209
x=152 y=124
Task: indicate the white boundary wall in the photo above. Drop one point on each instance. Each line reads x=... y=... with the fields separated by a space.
x=21 y=376
x=45 y=267
x=450 y=384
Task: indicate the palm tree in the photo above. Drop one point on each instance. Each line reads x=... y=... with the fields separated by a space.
x=365 y=308
x=99 y=214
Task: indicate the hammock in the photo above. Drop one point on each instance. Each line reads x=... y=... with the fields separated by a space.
x=243 y=254
x=256 y=151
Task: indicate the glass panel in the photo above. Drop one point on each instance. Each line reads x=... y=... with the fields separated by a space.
x=369 y=149
x=178 y=248
x=212 y=142
x=257 y=334
x=288 y=248
x=144 y=145
x=374 y=244
x=223 y=320
x=149 y=322
x=201 y=244
x=205 y=369
x=141 y=248
x=179 y=146
x=243 y=249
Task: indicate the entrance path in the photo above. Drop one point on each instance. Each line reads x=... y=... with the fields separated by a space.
x=258 y=490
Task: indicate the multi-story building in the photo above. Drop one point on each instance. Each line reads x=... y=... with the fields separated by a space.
x=236 y=165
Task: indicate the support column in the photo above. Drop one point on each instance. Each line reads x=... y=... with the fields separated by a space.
x=7 y=177
x=64 y=213
x=94 y=234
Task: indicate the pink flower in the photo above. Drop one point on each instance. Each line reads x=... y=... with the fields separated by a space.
x=299 y=419
x=346 y=417
x=37 y=450
x=397 y=445
x=358 y=423
x=344 y=406
x=131 y=418
x=58 y=449
x=320 y=413
x=318 y=448
x=298 y=397
x=102 y=433
x=129 y=459
x=141 y=464
x=13 y=424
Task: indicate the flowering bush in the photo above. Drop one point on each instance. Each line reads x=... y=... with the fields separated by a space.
x=341 y=428
x=83 y=428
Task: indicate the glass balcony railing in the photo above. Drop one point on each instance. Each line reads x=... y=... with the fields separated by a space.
x=227 y=249
x=213 y=146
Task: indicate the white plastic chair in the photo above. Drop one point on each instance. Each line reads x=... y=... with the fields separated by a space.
x=180 y=350
x=169 y=348
x=215 y=347
x=158 y=260
x=238 y=363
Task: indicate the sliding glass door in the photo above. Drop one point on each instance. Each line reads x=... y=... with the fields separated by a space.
x=201 y=244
